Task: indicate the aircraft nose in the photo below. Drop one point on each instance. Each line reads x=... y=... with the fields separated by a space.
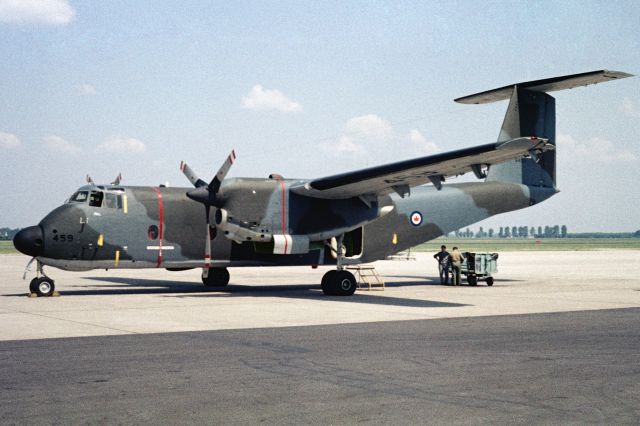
x=30 y=241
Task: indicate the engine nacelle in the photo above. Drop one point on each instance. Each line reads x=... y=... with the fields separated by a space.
x=290 y=244
x=236 y=232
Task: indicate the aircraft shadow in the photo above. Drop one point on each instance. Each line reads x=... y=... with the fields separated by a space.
x=419 y=280
x=436 y=280
x=295 y=291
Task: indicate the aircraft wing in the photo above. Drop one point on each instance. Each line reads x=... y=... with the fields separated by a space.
x=399 y=177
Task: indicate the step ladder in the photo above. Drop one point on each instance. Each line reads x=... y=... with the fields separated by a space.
x=367 y=277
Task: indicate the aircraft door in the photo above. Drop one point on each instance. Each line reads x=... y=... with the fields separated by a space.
x=352 y=244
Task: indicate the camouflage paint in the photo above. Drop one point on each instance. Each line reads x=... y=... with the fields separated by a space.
x=455 y=206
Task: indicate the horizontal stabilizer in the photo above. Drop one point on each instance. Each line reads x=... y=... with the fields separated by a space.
x=546 y=85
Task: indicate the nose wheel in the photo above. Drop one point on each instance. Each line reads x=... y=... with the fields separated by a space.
x=41 y=285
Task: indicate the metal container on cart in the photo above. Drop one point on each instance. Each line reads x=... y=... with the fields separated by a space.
x=479 y=267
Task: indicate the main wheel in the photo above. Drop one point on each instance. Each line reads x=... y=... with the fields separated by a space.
x=325 y=284
x=472 y=280
x=43 y=286
x=345 y=283
x=489 y=281
x=217 y=277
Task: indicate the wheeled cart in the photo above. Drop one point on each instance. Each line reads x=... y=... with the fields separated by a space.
x=479 y=267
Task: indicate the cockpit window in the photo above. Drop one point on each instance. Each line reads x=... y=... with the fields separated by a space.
x=110 y=200
x=95 y=200
x=79 y=197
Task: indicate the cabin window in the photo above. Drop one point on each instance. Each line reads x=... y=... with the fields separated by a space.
x=79 y=197
x=95 y=199
x=152 y=232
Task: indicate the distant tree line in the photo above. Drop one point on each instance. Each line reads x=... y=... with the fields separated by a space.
x=8 y=233
x=553 y=231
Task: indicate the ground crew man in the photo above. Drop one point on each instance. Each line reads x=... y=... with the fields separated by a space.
x=444 y=261
x=456 y=262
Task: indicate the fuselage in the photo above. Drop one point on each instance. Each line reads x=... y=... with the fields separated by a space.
x=160 y=227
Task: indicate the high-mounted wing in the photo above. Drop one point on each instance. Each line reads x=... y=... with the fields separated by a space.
x=401 y=176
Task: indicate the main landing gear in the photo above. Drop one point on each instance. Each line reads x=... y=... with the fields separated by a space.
x=41 y=285
x=339 y=282
x=217 y=277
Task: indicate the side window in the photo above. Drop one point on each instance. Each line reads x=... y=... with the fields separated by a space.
x=152 y=232
x=95 y=199
x=110 y=200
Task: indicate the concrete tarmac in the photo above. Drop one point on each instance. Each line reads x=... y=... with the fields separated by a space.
x=560 y=368
x=116 y=302
x=555 y=340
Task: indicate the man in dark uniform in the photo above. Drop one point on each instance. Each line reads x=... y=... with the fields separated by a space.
x=443 y=259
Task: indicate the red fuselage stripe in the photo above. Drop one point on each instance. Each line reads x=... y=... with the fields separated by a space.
x=284 y=233
x=161 y=220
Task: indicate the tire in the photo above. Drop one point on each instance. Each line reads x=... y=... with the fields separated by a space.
x=345 y=283
x=472 y=280
x=489 y=281
x=218 y=277
x=33 y=286
x=325 y=284
x=44 y=287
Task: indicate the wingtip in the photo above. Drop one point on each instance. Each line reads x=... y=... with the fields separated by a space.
x=617 y=74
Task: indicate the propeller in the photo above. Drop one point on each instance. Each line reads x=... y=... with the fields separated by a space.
x=207 y=194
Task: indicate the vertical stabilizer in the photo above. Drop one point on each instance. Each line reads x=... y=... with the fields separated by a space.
x=530 y=113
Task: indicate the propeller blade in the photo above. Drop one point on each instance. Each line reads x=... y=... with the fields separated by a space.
x=207 y=247
x=190 y=174
x=214 y=185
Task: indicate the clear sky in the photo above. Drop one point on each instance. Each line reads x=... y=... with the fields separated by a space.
x=307 y=89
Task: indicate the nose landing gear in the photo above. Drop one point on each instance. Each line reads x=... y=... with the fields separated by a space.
x=41 y=285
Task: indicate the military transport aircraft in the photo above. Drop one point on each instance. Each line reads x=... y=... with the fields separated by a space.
x=354 y=217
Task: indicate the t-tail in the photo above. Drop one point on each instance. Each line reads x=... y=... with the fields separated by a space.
x=532 y=112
